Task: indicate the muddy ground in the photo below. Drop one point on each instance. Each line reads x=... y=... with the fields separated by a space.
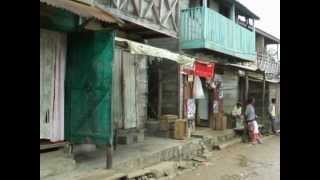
x=241 y=162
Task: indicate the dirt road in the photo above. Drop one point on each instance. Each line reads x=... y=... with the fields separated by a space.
x=241 y=162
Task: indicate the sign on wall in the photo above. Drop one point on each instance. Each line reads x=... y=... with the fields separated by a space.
x=204 y=70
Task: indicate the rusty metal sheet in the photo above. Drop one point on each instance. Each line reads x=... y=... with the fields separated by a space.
x=82 y=10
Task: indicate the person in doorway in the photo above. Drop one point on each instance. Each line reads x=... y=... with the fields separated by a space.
x=251 y=121
x=273 y=115
x=237 y=115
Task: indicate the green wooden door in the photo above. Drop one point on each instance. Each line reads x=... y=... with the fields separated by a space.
x=89 y=87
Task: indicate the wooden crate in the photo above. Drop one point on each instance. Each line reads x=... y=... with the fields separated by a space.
x=219 y=122
x=166 y=125
x=180 y=130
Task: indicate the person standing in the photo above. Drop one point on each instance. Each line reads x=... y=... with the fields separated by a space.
x=273 y=115
x=237 y=115
x=252 y=124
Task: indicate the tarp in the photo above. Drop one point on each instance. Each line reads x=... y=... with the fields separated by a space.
x=142 y=49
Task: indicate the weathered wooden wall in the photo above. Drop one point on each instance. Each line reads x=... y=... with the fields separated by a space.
x=260 y=43
x=168 y=87
x=117 y=89
x=141 y=89
x=157 y=15
x=165 y=43
x=230 y=90
x=130 y=89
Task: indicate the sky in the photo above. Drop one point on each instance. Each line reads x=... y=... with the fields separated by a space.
x=269 y=13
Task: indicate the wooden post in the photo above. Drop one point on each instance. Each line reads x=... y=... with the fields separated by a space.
x=204 y=3
x=159 y=93
x=109 y=156
x=232 y=13
x=246 y=90
x=278 y=52
x=263 y=95
x=197 y=117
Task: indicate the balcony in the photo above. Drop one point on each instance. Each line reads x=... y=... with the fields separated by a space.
x=203 y=28
x=268 y=65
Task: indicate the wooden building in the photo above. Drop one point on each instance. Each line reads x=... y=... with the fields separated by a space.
x=75 y=72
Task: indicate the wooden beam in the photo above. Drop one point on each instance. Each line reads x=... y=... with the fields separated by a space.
x=116 y=3
x=175 y=26
x=109 y=156
x=161 y=6
x=157 y=14
x=52 y=145
x=140 y=10
x=246 y=89
x=136 y=7
x=141 y=22
x=124 y=2
x=263 y=96
x=148 y=8
x=84 y=24
x=204 y=3
x=159 y=92
x=170 y=10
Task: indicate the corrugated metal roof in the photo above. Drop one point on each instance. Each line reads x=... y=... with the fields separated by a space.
x=244 y=10
x=271 y=38
x=83 y=10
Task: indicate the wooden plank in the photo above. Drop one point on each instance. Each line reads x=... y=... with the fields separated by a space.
x=161 y=7
x=52 y=145
x=109 y=157
x=124 y=2
x=141 y=89
x=142 y=22
x=117 y=98
x=148 y=8
x=156 y=12
x=136 y=7
x=159 y=93
x=171 y=8
x=227 y=144
x=140 y=10
x=130 y=118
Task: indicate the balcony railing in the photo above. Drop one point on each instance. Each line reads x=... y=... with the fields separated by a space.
x=268 y=65
x=205 y=28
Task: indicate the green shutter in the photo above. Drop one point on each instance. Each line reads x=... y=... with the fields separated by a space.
x=89 y=87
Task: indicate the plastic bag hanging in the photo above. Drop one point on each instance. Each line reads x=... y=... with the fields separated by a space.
x=197 y=88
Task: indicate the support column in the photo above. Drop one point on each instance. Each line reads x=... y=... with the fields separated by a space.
x=159 y=93
x=246 y=89
x=263 y=96
x=278 y=52
x=109 y=152
x=233 y=13
x=204 y=3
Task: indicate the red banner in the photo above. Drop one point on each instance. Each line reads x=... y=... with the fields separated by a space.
x=204 y=70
